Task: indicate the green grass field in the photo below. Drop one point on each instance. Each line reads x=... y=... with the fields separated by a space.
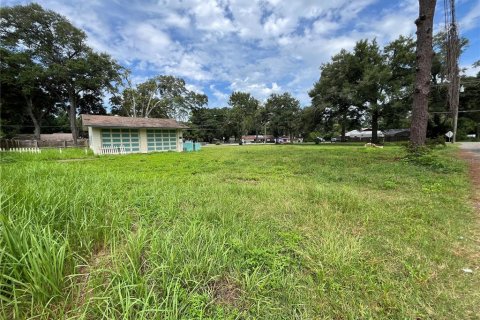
x=252 y=232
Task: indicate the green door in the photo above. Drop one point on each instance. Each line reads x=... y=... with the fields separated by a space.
x=127 y=138
x=161 y=140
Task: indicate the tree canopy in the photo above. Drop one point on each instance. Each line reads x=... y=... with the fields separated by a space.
x=53 y=58
x=161 y=97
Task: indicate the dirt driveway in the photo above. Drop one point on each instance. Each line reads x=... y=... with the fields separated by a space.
x=473 y=147
x=470 y=151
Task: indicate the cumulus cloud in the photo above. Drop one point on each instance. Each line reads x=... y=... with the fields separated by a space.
x=471 y=19
x=217 y=46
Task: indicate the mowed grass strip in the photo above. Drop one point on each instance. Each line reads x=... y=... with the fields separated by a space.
x=266 y=232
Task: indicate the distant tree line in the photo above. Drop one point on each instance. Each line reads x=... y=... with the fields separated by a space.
x=49 y=75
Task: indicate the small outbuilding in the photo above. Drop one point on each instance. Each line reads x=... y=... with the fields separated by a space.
x=115 y=134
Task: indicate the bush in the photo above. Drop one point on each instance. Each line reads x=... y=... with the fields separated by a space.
x=430 y=144
x=435 y=142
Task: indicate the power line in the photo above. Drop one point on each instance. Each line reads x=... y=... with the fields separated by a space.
x=459 y=111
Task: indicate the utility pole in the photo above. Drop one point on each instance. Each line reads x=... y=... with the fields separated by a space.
x=452 y=44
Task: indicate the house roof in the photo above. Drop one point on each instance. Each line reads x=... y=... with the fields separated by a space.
x=90 y=120
x=362 y=134
x=392 y=132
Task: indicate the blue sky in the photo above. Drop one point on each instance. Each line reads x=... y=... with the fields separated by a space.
x=261 y=47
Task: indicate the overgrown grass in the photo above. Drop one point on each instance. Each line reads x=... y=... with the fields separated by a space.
x=266 y=232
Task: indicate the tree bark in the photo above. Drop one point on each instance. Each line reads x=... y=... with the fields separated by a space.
x=375 y=126
x=72 y=113
x=418 y=128
x=36 y=122
x=344 y=127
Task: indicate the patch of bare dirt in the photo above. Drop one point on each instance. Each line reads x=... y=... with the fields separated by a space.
x=473 y=161
x=84 y=271
x=243 y=180
x=226 y=292
x=474 y=172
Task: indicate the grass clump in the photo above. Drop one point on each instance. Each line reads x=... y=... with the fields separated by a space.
x=266 y=232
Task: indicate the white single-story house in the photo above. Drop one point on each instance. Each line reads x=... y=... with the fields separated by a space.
x=362 y=134
x=133 y=135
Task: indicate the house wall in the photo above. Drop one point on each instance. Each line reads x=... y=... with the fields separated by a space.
x=179 y=140
x=143 y=140
x=95 y=140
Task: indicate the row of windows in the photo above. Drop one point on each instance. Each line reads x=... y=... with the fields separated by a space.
x=119 y=135
x=126 y=138
x=151 y=144
x=166 y=135
x=157 y=140
x=161 y=148
x=162 y=139
x=160 y=131
x=123 y=140
x=122 y=130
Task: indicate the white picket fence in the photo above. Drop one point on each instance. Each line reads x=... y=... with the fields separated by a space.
x=113 y=150
x=21 y=150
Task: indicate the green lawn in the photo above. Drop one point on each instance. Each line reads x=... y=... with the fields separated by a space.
x=265 y=232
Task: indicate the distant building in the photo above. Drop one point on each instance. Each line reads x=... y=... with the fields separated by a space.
x=387 y=135
x=133 y=135
x=396 y=135
x=258 y=139
x=361 y=135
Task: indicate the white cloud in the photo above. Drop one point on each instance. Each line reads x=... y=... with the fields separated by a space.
x=175 y=20
x=470 y=71
x=276 y=26
x=188 y=66
x=261 y=46
x=193 y=87
x=325 y=26
x=258 y=90
x=220 y=96
x=471 y=19
x=209 y=15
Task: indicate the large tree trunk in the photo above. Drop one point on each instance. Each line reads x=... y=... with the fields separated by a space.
x=344 y=127
x=418 y=128
x=375 y=126
x=72 y=113
x=36 y=122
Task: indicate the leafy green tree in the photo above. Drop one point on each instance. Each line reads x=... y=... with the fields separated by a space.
x=284 y=112
x=60 y=50
x=333 y=95
x=27 y=88
x=400 y=59
x=209 y=124
x=469 y=121
x=161 y=97
x=84 y=79
x=371 y=73
x=244 y=112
